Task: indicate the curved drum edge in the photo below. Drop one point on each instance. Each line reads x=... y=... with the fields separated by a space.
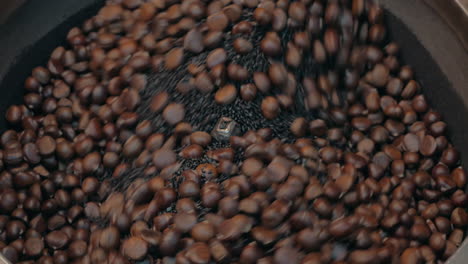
x=455 y=14
x=440 y=26
x=3 y=260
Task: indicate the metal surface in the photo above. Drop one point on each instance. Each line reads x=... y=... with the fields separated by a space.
x=29 y=36
x=7 y=8
x=455 y=14
x=224 y=129
x=32 y=24
x=3 y=260
x=441 y=27
x=463 y=4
